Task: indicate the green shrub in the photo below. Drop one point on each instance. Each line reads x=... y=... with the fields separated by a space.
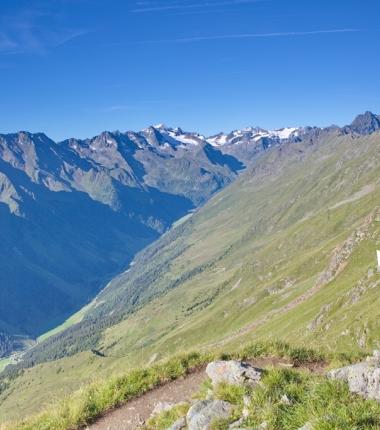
x=230 y=393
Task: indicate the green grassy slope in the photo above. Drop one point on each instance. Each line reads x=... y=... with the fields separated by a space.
x=266 y=240
x=286 y=252
x=310 y=392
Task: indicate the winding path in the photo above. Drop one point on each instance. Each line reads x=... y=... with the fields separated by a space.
x=133 y=414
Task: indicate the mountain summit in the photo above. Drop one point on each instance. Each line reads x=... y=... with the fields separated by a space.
x=365 y=123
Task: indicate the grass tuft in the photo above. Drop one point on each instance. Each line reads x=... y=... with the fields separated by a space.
x=166 y=418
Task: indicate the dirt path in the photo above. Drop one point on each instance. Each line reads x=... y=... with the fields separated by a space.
x=134 y=413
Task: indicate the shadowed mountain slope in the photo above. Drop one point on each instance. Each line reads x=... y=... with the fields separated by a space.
x=73 y=214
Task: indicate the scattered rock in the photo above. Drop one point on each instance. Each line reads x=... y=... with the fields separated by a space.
x=203 y=413
x=233 y=372
x=362 y=378
x=285 y=400
x=246 y=404
x=307 y=426
x=343 y=252
x=179 y=424
x=319 y=319
x=161 y=407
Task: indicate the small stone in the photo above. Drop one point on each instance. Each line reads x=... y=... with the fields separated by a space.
x=307 y=426
x=246 y=401
x=285 y=400
x=246 y=405
x=161 y=407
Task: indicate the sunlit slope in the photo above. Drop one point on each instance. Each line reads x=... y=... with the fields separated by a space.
x=286 y=252
x=277 y=233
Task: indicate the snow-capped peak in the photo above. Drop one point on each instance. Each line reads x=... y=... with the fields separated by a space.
x=284 y=133
x=253 y=134
x=177 y=138
x=160 y=126
x=167 y=137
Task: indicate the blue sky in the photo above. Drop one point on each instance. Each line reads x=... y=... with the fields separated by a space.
x=77 y=67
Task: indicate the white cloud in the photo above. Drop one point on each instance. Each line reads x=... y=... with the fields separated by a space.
x=253 y=35
x=29 y=31
x=152 y=7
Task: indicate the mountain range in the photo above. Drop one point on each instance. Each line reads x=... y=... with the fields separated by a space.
x=74 y=213
x=296 y=212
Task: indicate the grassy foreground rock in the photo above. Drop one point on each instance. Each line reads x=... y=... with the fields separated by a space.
x=310 y=395
x=285 y=399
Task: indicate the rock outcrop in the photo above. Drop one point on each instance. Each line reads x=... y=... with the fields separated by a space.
x=362 y=378
x=202 y=414
x=233 y=372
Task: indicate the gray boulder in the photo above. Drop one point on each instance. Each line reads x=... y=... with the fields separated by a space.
x=307 y=426
x=201 y=415
x=362 y=378
x=179 y=424
x=233 y=372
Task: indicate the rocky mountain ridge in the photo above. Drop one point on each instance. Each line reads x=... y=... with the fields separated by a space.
x=74 y=213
